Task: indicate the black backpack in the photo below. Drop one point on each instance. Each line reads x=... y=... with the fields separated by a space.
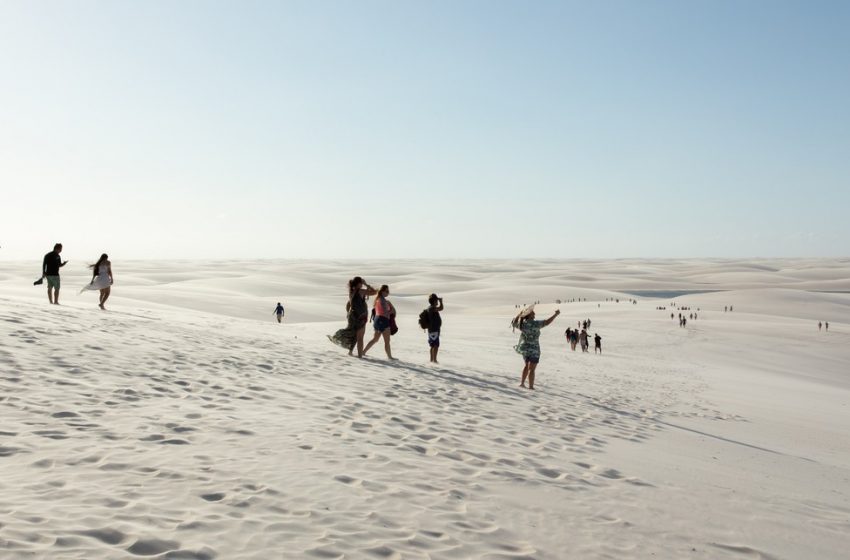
x=425 y=319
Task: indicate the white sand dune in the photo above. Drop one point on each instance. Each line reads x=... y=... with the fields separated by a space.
x=185 y=423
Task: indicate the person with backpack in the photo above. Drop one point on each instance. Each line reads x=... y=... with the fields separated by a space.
x=431 y=321
x=529 y=341
x=384 y=321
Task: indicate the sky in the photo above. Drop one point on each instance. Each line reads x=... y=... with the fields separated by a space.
x=428 y=129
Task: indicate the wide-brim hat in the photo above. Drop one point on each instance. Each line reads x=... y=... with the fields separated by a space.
x=527 y=311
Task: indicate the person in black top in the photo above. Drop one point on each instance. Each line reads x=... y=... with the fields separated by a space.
x=435 y=322
x=50 y=270
x=358 y=316
x=598 y=346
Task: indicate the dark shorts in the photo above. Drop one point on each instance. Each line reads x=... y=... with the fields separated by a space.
x=52 y=282
x=532 y=358
x=434 y=339
x=382 y=323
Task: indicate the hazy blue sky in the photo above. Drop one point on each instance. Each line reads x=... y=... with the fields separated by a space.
x=424 y=129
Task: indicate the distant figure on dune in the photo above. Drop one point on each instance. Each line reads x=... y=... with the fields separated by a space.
x=101 y=279
x=384 y=319
x=358 y=315
x=725 y=308
x=597 y=340
x=569 y=334
x=820 y=325
x=826 y=325
x=50 y=271
x=529 y=341
x=431 y=320
x=279 y=312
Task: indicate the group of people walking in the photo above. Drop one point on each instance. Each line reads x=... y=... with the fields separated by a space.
x=101 y=276
x=383 y=320
x=582 y=339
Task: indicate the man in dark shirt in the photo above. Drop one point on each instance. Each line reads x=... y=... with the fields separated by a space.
x=50 y=270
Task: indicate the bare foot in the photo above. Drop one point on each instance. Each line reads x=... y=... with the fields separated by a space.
x=522 y=385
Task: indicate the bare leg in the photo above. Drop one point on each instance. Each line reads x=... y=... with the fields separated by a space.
x=56 y=296
x=361 y=332
x=532 y=368
x=524 y=375
x=104 y=295
x=389 y=352
x=371 y=342
x=50 y=294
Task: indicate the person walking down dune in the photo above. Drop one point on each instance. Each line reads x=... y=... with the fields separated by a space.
x=50 y=271
x=529 y=342
x=279 y=311
x=101 y=279
x=384 y=316
x=357 y=312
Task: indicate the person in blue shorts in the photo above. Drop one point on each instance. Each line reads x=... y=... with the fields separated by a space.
x=279 y=312
x=529 y=341
x=384 y=316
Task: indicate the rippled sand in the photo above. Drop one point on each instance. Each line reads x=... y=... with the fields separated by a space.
x=185 y=423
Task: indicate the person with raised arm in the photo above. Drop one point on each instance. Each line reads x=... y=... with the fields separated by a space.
x=529 y=341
